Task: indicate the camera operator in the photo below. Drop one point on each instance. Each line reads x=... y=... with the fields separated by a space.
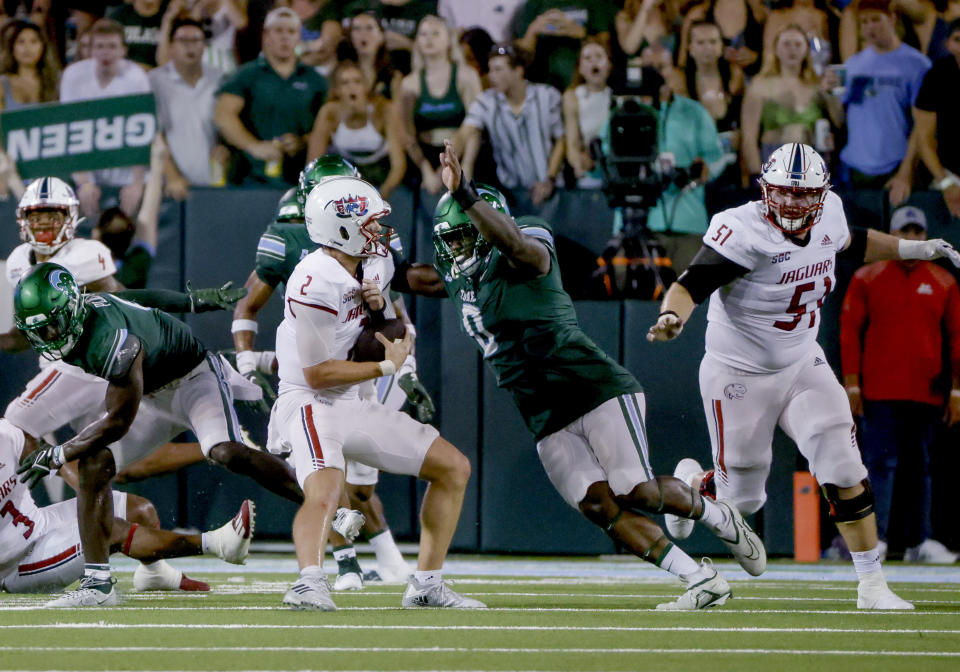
x=686 y=153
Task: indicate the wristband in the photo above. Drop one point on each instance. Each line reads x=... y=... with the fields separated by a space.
x=465 y=194
x=243 y=325
x=669 y=312
x=56 y=456
x=949 y=180
x=387 y=367
x=913 y=249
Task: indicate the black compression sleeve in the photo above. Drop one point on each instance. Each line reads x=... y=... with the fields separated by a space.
x=400 y=264
x=166 y=300
x=709 y=271
x=857 y=249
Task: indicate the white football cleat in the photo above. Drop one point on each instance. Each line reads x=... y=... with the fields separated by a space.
x=310 y=593
x=231 y=541
x=686 y=471
x=348 y=581
x=873 y=593
x=436 y=595
x=87 y=594
x=744 y=544
x=711 y=591
x=348 y=523
x=930 y=552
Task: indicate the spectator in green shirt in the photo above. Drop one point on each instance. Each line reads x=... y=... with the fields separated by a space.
x=266 y=109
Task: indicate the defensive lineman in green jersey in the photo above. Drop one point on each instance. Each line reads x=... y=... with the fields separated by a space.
x=585 y=410
x=148 y=365
x=507 y=313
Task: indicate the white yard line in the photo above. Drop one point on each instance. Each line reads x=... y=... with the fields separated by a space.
x=473 y=650
x=537 y=628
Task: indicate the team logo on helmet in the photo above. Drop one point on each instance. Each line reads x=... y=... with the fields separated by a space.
x=57 y=279
x=350 y=206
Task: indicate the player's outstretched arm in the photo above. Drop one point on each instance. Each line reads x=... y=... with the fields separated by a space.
x=882 y=246
x=498 y=228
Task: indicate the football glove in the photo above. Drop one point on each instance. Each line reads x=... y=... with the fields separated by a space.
x=214 y=298
x=40 y=462
x=418 y=396
x=928 y=249
x=668 y=327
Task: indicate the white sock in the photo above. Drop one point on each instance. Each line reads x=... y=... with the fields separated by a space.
x=385 y=548
x=715 y=517
x=428 y=576
x=207 y=545
x=866 y=562
x=313 y=571
x=100 y=572
x=677 y=562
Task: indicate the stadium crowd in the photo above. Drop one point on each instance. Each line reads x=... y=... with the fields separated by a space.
x=249 y=91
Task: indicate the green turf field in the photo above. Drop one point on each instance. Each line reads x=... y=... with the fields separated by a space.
x=545 y=614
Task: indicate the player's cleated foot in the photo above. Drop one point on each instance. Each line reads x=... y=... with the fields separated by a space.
x=873 y=593
x=744 y=543
x=930 y=552
x=90 y=593
x=395 y=574
x=310 y=593
x=161 y=576
x=348 y=523
x=348 y=581
x=438 y=594
x=687 y=471
x=702 y=593
x=231 y=541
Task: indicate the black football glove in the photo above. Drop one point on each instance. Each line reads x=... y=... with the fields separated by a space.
x=214 y=298
x=40 y=462
x=417 y=396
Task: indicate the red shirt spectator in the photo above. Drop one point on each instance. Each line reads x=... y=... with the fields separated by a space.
x=892 y=327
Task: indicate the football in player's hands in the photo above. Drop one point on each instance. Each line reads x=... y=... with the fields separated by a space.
x=368 y=348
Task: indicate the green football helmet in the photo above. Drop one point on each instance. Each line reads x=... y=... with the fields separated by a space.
x=322 y=167
x=49 y=309
x=460 y=249
x=288 y=207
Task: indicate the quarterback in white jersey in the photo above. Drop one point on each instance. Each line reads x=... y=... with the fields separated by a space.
x=40 y=548
x=320 y=412
x=767 y=267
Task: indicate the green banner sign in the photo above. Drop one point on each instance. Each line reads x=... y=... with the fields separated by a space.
x=62 y=138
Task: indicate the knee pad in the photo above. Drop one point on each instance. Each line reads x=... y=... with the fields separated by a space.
x=849 y=510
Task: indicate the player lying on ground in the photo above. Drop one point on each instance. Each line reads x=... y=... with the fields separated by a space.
x=767 y=268
x=40 y=547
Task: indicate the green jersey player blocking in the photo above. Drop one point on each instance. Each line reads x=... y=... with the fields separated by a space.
x=584 y=409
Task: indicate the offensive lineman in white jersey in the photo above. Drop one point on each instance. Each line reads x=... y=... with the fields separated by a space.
x=767 y=267
x=320 y=411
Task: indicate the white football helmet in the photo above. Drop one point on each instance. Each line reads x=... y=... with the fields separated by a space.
x=794 y=181
x=48 y=193
x=343 y=213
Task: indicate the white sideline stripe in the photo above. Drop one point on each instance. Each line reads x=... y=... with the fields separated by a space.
x=618 y=610
x=459 y=649
x=538 y=628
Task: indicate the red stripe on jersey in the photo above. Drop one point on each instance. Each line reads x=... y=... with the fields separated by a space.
x=60 y=557
x=718 y=412
x=46 y=381
x=312 y=437
x=290 y=303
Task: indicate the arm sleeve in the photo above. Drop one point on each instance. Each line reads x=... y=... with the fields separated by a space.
x=316 y=335
x=399 y=283
x=271 y=256
x=856 y=251
x=167 y=300
x=709 y=271
x=852 y=319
